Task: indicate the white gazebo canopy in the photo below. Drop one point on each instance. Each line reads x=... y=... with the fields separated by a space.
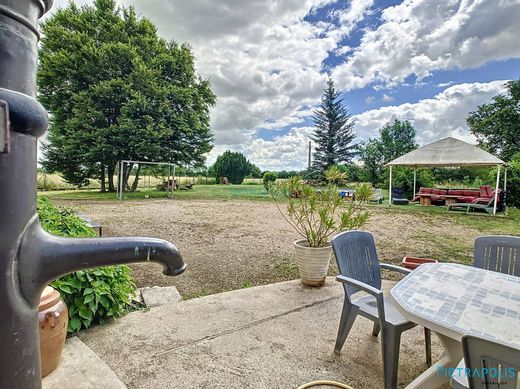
x=447 y=152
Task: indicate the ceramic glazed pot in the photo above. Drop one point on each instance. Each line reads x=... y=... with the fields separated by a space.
x=53 y=319
x=313 y=262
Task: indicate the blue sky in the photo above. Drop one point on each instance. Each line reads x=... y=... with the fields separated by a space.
x=427 y=61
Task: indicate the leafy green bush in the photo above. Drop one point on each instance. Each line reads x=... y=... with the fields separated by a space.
x=335 y=175
x=267 y=178
x=232 y=165
x=513 y=182
x=92 y=296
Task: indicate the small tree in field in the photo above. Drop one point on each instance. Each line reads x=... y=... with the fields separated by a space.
x=333 y=132
x=232 y=165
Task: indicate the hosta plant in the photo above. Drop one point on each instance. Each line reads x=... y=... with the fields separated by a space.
x=92 y=296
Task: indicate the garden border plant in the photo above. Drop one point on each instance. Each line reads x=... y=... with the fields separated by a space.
x=92 y=296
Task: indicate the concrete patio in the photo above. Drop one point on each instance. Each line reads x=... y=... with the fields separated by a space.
x=275 y=336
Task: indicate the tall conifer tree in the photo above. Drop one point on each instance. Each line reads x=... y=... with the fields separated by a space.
x=333 y=134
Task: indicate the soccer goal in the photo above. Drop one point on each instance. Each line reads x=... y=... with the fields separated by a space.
x=134 y=176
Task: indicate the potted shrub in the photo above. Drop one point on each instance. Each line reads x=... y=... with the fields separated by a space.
x=316 y=215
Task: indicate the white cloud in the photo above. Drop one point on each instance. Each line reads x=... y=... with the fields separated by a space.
x=435 y=118
x=418 y=37
x=263 y=59
x=265 y=63
x=441 y=116
x=287 y=152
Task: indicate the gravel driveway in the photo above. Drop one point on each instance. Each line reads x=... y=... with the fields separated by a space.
x=234 y=244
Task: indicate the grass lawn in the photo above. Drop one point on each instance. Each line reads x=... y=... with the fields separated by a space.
x=217 y=192
x=499 y=224
x=233 y=237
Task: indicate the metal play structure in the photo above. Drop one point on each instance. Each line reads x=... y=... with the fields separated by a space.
x=170 y=187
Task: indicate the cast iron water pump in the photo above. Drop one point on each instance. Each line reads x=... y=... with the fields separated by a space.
x=29 y=257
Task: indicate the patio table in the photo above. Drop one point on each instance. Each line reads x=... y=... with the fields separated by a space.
x=425 y=199
x=455 y=300
x=450 y=199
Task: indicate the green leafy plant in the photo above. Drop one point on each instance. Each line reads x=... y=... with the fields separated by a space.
x=317 y=214
x=267 y=178
x=246 y=284
x=335 y=176
x=363 y=192
x=92 y=296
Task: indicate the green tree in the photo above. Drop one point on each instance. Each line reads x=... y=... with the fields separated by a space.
x=232 y=165
x=333 y=133
x=371 y=155
x=395 y=139
x=496 y=125
x=117 y=91
x=254 y=171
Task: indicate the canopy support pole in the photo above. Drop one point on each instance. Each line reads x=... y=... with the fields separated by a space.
x=505 y=178
x=390 y=189
x=496 y=191
x=414 y=181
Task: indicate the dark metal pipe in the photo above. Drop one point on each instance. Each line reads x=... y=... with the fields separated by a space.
x=45 y=257
x=29 y=257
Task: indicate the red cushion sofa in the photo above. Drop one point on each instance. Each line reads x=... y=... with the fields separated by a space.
x=486 y=195
x=437 y=195
x=422 y=190
x=480 y=196
x=465 y=195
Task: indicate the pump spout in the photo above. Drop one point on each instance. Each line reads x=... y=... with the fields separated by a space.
x=45 y=257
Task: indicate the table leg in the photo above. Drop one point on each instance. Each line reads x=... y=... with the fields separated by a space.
x=425 y=201
x=437 y=374
x=450 y=201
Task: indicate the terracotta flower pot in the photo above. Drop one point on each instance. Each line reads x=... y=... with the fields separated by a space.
x=53 y=317
x=413 y=263
x=313 y=262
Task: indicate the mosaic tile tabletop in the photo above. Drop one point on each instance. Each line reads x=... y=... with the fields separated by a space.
x=463 y=299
